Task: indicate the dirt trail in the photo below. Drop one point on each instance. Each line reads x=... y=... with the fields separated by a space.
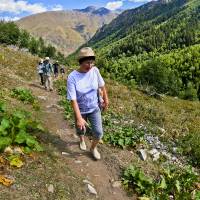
x=100 y=173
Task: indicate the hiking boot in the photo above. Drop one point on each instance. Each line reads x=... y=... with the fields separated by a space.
x=83 y=146
x=96 y=154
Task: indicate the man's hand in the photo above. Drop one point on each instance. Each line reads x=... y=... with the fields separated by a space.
x=81 y=124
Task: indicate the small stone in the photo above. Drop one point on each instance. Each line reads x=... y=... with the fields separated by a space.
x=65 y=154
x=18 y=150
x=156 y=156
x=91 y=189
x=174 y=149
x=8 y=150
x=167 y=155
x=51 y=188
x=78 y=161
x=131 y=152
x=116 y=184
x=174 y=159
x=142 y=154
x=153 y=151
x=42 y=98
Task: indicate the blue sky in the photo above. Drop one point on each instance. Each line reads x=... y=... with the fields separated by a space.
x=15 y=9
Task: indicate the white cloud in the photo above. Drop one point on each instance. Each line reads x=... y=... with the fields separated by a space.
x=57 y=7
x=20 y=6
x=6 y=18
x=114 y=5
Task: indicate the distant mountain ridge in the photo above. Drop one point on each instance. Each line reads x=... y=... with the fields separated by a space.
x=94 y=10
x=67 y=30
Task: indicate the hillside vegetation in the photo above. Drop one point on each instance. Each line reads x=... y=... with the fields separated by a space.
x=154 y=45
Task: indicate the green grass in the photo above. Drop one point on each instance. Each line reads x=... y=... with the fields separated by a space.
x=26 y=96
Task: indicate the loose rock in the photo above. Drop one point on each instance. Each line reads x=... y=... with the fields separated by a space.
x=143 y=154
x=78 y=161
x=51 y=188
x=42 y=98
x=116 y=184
x=91 y=190
x=65 y=154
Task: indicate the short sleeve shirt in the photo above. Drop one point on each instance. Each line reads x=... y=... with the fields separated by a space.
x=83 y=87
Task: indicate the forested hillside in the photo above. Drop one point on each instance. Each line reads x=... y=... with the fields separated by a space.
x=155 y=45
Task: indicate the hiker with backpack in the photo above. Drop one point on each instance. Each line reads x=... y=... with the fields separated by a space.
x=40 y=71
x=48 y=71
x=83 y=87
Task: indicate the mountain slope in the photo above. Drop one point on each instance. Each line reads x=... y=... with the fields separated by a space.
x=154 y=23
x=66 y=30
x=156 y=44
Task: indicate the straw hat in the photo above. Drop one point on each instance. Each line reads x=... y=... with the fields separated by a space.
x=86 y=52
x=41 y=60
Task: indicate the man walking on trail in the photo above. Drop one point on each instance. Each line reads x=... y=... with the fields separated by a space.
x=83 y=85
x=55 y=69
x=40 y=71
x=48 y=71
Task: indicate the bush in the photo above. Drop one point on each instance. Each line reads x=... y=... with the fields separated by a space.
x=9 y=33
x=193 y=151
x=172 y=181
x=15 y=128
x=163 y=79
x=23 y=95
x=190 y=93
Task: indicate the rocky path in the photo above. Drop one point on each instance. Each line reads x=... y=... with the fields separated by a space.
x=102 y=175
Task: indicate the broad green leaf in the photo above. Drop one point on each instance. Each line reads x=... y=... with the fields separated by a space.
x=27 y=150
x=22 y=124
x=31 y=142
x=4 y=142
x=5 y=123
x=21 y=137
x=121 y=142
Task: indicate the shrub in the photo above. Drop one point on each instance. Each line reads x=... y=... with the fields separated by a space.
x=15 y=129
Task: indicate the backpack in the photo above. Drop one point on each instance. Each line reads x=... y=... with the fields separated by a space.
x=46 y=68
